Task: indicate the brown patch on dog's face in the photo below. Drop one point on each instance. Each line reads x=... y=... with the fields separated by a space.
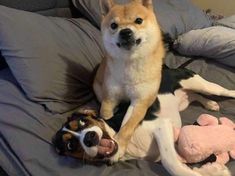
x=84 y=137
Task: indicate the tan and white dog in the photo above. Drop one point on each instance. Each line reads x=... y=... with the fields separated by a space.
x=131 y=69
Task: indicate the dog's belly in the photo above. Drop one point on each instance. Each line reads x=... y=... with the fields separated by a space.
x=169 y=108
x=143 y=144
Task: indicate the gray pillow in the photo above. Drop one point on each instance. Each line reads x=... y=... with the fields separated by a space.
x=216 y=42
x=175 y=16
x=228 y=22
x=49 y=8
x=51 y=58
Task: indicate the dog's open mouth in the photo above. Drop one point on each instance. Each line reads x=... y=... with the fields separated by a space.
x=107 y=147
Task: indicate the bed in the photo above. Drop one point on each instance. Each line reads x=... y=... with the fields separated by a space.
x=47 y=64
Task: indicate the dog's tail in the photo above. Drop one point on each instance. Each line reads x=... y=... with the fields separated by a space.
x=213 y=169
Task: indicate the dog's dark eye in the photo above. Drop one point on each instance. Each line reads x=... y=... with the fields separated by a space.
x=69 y=146
x=114 y=26
x=138 y=20
x=72 y=145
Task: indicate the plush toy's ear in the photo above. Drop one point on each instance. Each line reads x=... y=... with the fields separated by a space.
x=207 y=119
x=105 y=6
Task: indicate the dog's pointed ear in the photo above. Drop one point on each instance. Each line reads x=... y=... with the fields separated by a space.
x=58 y=143
x=147 y=3
x=105 y=6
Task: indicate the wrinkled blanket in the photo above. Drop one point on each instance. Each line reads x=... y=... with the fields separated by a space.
x=26 y=130
x=214 y=43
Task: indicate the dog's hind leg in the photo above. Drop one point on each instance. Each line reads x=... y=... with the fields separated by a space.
x=200 y=85
x=107 y=108
x=208 y=104
x=169 y=157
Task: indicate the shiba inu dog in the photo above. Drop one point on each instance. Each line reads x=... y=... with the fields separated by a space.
x=131 y=69
x=86 y=137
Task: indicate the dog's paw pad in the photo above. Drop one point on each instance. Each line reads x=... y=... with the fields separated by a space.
x=212 y=106
x=106 y=115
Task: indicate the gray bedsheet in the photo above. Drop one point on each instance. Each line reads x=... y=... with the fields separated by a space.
x=26 y=131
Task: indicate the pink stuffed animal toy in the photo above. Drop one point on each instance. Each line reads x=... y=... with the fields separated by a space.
x=196 y=143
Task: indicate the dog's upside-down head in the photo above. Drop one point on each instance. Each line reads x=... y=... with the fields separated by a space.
x=129 y=29
x=85 y=137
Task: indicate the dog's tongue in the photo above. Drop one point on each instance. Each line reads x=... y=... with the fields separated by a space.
x=106 y=147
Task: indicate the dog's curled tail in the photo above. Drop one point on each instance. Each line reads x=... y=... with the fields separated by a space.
x=213 y=169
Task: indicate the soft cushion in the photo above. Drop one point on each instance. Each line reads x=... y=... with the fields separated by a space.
x=228 y=22
x=51 y=58
x=51 y=7
x=175 y=16
x=216 y=43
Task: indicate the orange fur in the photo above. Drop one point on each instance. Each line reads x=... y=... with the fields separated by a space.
x=129 y=75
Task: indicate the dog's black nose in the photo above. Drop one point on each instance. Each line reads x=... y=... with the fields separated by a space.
x=126 y=33
x=91 y=139
x=126 y=39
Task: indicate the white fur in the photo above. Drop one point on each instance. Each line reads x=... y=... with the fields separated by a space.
x=213 y=169
x=91 y=151
x=198 y=84
x=141 y=145
x=169 y=158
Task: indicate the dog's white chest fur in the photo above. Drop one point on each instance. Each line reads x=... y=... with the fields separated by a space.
x=126 y=78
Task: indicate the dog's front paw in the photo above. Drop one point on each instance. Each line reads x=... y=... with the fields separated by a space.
x=105 y=114
x=107 y=107
x=117 y=157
